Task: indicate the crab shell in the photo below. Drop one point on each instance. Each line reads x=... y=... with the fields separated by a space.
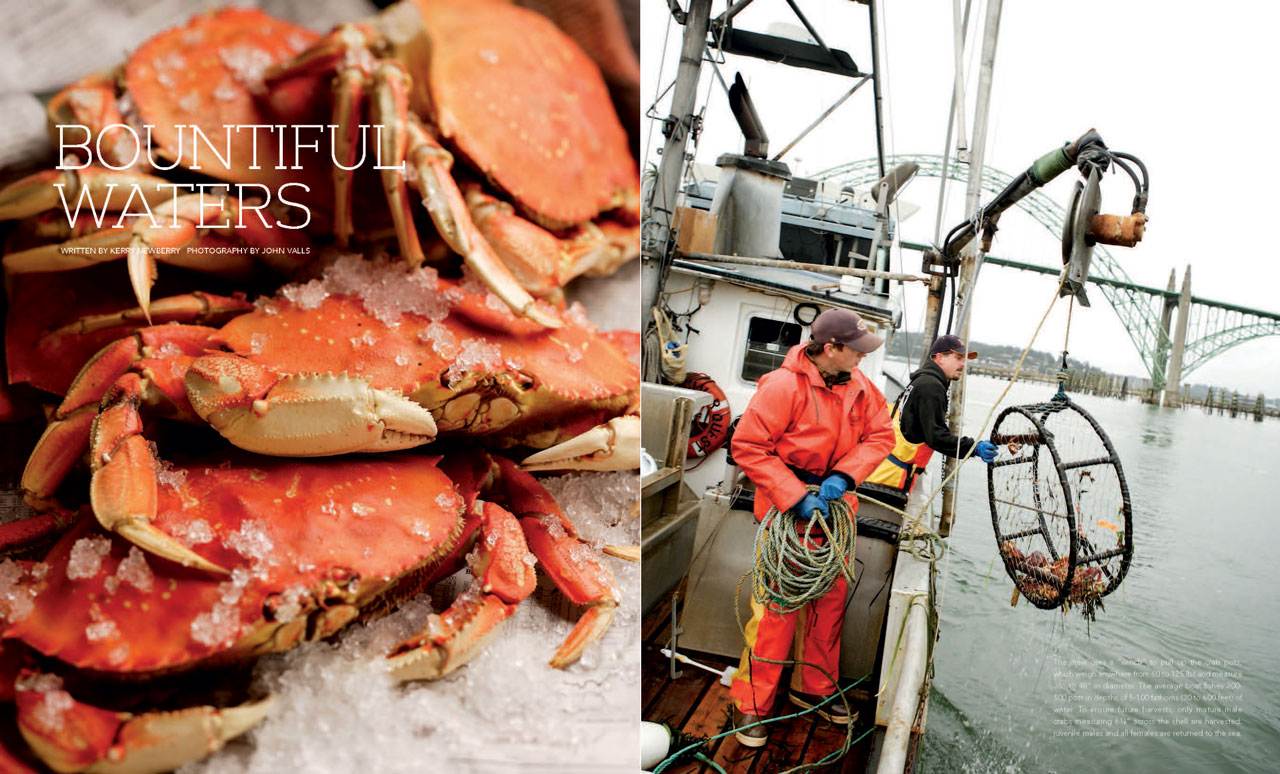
x=520 y=101
x=478 y=369
x=208 y=73
x=309 y=545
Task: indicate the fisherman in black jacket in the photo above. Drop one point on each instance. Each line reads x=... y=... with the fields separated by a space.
x=924 y=412
x=920 y=424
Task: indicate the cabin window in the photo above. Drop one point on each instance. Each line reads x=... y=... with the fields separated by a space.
x=767 y=345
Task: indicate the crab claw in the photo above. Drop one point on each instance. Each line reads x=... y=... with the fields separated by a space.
x=627 y=553
x=70 y=736
x=122 y=491
x=305 y=415
x=614 y=445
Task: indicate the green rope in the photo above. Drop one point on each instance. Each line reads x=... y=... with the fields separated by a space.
x=850 y=740
x=791 y=571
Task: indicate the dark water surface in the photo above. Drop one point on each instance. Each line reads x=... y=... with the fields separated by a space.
x=1019 y=689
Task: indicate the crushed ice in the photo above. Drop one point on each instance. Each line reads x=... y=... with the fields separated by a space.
x=192 y=533
x=474 y=355
x=221 y=625
x=51 y=711
x=134 y=570
x=337 y=711
x=577 y=314
x=248 y=65
x=17 y=599
x=440 y=338
x=290 y=603
x=86 y=557
x=251 y=541
x=102 y=630
x=387 y=289
x=308 y=296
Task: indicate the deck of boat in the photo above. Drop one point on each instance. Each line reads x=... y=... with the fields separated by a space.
x=697 y=704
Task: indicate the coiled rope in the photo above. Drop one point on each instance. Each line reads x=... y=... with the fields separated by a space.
x=791 y=568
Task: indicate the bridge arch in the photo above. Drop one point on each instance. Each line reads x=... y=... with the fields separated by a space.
x=1213 y=327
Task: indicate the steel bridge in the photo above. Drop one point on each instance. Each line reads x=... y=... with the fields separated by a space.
x=1204 y=328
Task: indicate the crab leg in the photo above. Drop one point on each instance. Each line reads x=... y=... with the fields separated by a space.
x=106 y=190
x=175 y=226
x=195 y=307
x=23 y=537
x=448 y=210
x=123 y=488
x=571 y=563
x=504 y=575
x=70 y=736
x=67 y=435
x=542 y=262
x=404 y=140
x=349 y=100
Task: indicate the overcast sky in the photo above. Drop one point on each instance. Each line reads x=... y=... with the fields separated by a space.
x=1182 y=89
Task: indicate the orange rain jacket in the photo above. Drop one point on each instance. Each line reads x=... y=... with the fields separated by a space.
x=795 y=419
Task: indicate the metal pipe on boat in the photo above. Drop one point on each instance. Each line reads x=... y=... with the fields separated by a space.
x=906 y=702
x=696 y=21
x=972 y=260
x=933 y=315
x=877 y=99
x=819 y=268
x=731 y=12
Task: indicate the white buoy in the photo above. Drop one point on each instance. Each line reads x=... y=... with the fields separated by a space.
x=655 y=744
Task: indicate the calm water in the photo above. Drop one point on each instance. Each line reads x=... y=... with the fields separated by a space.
x=1012 y=682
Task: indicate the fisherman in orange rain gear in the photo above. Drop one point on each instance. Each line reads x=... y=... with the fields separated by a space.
x=816 y=420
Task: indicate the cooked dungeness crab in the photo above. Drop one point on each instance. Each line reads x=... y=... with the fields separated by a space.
x=319 y=369
x=371 y=358
x=311 y=546
x=498 y=85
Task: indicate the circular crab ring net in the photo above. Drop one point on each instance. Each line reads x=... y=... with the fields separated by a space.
x=1059 y=505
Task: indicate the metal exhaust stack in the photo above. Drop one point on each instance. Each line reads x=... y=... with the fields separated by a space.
x=748 y=202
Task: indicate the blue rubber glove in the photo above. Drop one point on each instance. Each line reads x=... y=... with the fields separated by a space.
x=986 y=450
x=833 y=487
x=808 y=504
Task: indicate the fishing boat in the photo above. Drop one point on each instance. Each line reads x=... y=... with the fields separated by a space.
x=738 y=261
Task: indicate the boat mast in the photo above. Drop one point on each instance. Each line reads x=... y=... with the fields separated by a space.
x=972 y=255
x=872 y=9
x=658 y=246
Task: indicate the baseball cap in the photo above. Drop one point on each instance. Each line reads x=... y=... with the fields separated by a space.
x=950 y=343
x=842 y=326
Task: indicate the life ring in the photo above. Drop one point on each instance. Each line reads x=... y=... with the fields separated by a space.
x=710 y=427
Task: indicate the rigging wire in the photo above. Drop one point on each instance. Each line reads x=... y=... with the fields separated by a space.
x=662 y=62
